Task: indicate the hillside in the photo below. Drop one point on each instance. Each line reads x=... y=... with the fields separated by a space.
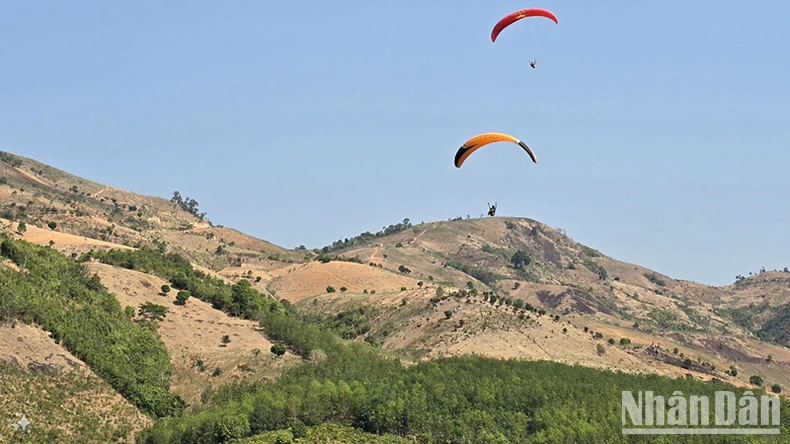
x=588 y=298
x=491 y=287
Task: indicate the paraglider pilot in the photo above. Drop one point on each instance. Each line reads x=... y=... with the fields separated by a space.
x=533 y=63
x=492 y=209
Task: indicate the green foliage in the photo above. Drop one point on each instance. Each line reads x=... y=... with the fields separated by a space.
x=182 y=296
x=595 y=268
x=60 y=295
x=483 y=275
x=775 y=328
x=625 y=341
x=776 y=388
x=756 y=380
x=504 y=253
x=367 y=236
x=520 y=259
x=278 y=349
x=324 y=258
x=189 y=205
x=329 y=432
x=348 y=324
x=652 y=277
x=152 y=312
x=165 y=289
x=404 y=269
x=460 y=399
x=52 y=225
x=587 y=251
x=278 y=319
x=10 y=159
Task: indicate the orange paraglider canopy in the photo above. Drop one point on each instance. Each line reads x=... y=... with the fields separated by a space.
x=481 y=140
x=518 y=15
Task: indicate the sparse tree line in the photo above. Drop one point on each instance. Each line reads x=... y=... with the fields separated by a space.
x=740 y=278
x=189 y=205
x=367 y=236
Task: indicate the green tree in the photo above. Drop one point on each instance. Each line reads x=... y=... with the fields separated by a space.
x=152 y=312
x=448 y=314
x=225 y=340
x=278 y=349
x=52 y=225
x=165 y=289
x=21 y=227
x=520 y=259
x=182 y=296
x=756 y=380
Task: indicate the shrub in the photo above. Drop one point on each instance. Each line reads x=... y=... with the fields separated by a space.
x=182 y=296
x=278 y=349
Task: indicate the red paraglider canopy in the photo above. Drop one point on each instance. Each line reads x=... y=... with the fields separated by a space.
x=518 y=15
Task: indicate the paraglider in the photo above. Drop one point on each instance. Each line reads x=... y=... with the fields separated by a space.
x=484 y=139
x=492 y=210
x=533 y=63
x=518 y=15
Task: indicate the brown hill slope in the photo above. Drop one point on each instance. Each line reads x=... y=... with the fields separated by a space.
x=41 y=195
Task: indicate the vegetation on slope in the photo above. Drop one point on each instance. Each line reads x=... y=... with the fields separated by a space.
x=463 y=399
x=367 y=236
x=62 y=406
x=58 y=294
x=278 y=319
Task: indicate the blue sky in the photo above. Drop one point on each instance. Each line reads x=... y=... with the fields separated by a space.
x=661 y=128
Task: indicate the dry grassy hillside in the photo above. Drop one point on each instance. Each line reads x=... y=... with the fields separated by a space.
x=63 y=400
x=52 y=200
x=193 y=335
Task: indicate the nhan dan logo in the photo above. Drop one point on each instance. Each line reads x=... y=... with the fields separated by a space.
x=646 y=413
